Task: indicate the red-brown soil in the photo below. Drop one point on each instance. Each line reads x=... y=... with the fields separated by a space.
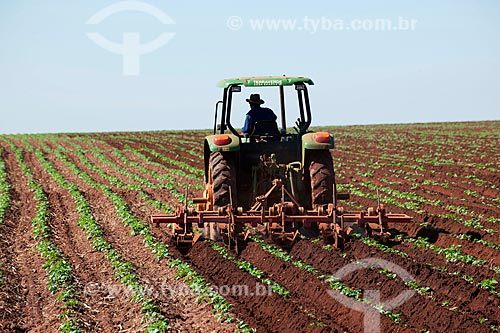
x=447 y=165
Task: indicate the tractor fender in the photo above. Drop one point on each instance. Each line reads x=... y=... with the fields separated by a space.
x=210 y=146
x=232 y=145
x=309 y=143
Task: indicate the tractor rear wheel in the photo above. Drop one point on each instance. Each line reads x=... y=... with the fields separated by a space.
x=222 y=181
x=223 y=177
x=322 y=177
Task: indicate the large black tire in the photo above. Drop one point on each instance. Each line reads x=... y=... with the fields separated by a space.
x=222 y=177
x=322 y=177
x=223 y=174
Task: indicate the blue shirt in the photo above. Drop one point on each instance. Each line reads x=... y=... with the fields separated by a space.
x=257 y=113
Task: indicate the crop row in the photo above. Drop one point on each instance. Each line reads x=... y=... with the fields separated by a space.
x=424 y=161
x=119 y=153
x=57 y=267
x=412 y=201
x=174 y=145
x=249 y=268
x=148 y=160
x=395 y=164
x=415 y=180
x=171 y=161
x=441 y=144
x=123 y=270
x=115 y=181
x=486 y=284
x=4 y=188
x=169 y=184
x=195 y=281
x=4 y=198
x=421 y=288
x=471 y=223
x=160 y=152
x=333 y=282
x=451 y=254
x=402 y=178
x=455 y=254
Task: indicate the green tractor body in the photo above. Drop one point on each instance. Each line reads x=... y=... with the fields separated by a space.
x=261 y=158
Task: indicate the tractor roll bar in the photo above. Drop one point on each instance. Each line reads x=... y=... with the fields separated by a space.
x=215 y=118
x=303 y=96
x=301 y=109
x=223 y=115
x=282 y=107
x=308 y=108
x=303 y=99
x=228 y=113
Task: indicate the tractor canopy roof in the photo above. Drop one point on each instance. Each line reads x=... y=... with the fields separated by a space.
x=264 y=81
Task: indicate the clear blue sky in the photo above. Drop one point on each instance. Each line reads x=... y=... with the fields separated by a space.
x=53 y=78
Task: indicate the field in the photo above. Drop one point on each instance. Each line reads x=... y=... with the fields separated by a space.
x=77 y=251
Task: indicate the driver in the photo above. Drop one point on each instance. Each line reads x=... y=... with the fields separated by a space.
x=256 y=113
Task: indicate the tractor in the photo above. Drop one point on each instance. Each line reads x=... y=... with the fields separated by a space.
x=278 y=179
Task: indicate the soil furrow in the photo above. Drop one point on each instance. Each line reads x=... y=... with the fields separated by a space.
x=446 y=288
x=267 y=312
x=415 y=230
x=308 y=290
x=159 y=194
x=421 y=312
x=30 y=306
x=93 y=272
x=177 y=303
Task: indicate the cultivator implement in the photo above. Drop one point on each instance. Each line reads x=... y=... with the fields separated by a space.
x=283 y=222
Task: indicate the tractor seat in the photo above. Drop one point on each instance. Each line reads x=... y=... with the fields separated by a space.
x=266 y=128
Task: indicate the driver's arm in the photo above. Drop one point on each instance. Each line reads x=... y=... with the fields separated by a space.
x=247 y=128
